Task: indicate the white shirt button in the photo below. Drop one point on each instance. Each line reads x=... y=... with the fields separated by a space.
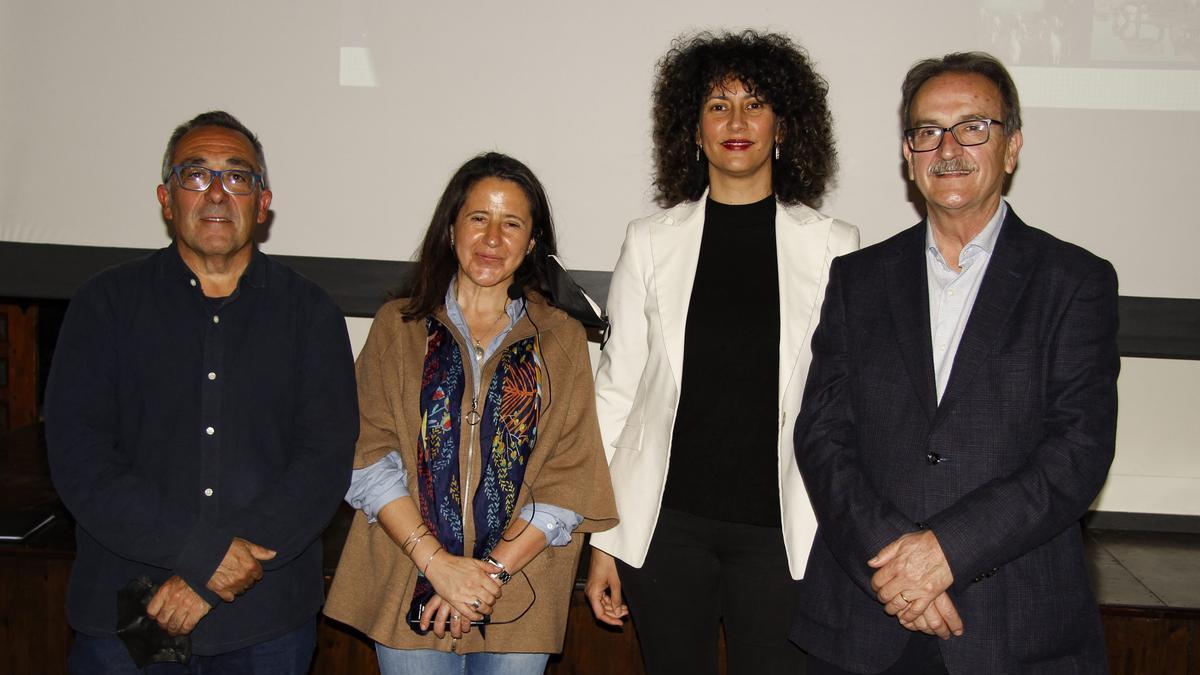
x=192 y=282
x=212 y=376
x=207 y=492
x=216 y=319
x=210 y=431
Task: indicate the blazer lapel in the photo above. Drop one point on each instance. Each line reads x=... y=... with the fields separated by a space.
x=999 y=291
x=908 y=300
x=802 y=252
x=675 y=251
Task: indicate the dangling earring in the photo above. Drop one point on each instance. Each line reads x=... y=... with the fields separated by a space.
x=697 y=152
x=776 y=152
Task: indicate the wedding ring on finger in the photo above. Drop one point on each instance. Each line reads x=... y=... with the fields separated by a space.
x=476 y=603
x=906 y=600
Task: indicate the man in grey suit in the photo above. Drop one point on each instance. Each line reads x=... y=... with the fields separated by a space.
x=959 y=416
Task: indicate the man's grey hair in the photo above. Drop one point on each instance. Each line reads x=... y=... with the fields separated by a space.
x=980 y=63
x=213 y=118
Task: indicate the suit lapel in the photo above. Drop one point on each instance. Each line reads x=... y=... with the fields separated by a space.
x=999 y=291
x=908 y=301
x=802 y=252
x=675 y=250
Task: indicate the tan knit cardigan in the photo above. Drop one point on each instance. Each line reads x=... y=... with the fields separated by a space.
x=374 y=582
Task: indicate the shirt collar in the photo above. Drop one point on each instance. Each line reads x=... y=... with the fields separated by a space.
x=514 y=309
x=984 y=242
x=172 y=266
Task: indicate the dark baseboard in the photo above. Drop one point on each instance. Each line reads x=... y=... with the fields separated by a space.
x=1166 y=328
x=54 y=271
x=1143 y=522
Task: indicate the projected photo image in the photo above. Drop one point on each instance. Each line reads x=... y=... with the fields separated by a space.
x=1093 y=33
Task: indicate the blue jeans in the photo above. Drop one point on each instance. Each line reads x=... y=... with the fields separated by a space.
x=431 y=662
x=288 y=654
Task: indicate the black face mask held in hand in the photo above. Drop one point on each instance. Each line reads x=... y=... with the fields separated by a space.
x=145 y=640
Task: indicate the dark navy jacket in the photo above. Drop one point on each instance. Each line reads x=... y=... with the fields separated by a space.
x=1001 y=470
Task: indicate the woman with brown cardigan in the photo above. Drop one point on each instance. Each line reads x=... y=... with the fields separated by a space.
x=479 y=462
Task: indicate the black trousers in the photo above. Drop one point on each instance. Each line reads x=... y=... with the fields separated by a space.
x=921 y=656
x=700 y=573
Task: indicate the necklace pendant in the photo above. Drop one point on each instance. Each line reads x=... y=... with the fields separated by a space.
x=478 y=350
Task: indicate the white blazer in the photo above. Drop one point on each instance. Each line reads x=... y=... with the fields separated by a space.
x=637 y=383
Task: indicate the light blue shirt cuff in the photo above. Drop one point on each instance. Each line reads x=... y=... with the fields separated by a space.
x=555 y=522
x=374 y=487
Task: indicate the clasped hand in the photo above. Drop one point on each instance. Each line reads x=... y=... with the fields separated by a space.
x=911 y=579
x=178 y=608
x=240 y=569
x=466 y=592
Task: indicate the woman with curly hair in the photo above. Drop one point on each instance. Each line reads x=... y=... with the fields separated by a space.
x=712 y=304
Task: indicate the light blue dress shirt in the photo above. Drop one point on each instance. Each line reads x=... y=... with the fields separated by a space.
x=952 y=293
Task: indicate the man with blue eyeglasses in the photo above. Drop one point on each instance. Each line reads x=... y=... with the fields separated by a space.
x=959 y=416
x=200 y=417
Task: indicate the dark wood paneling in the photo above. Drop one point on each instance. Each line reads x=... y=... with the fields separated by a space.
x=18 y=347
x=342 y=650
x=1142 y=643
x=34 y=636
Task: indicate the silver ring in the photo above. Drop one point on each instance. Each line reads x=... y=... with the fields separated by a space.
x=455 y=618
x=476 y=603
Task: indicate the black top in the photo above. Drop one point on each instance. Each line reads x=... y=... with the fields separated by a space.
x=174 y=424
x=724 y=456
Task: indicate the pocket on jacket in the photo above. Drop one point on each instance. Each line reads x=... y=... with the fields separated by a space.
x=1011 y=373
x=630 y=437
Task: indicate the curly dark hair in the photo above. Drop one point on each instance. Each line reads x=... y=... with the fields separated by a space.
x=437 y=262
x=771 y=66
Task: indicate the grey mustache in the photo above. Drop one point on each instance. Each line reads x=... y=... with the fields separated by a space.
x=950 y=165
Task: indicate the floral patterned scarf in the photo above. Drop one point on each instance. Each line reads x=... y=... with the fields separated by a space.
x=509 y=414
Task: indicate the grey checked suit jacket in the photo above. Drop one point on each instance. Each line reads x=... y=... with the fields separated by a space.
x=1001 y=470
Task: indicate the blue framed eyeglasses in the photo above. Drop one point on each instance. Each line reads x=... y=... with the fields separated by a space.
x=200 y=178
